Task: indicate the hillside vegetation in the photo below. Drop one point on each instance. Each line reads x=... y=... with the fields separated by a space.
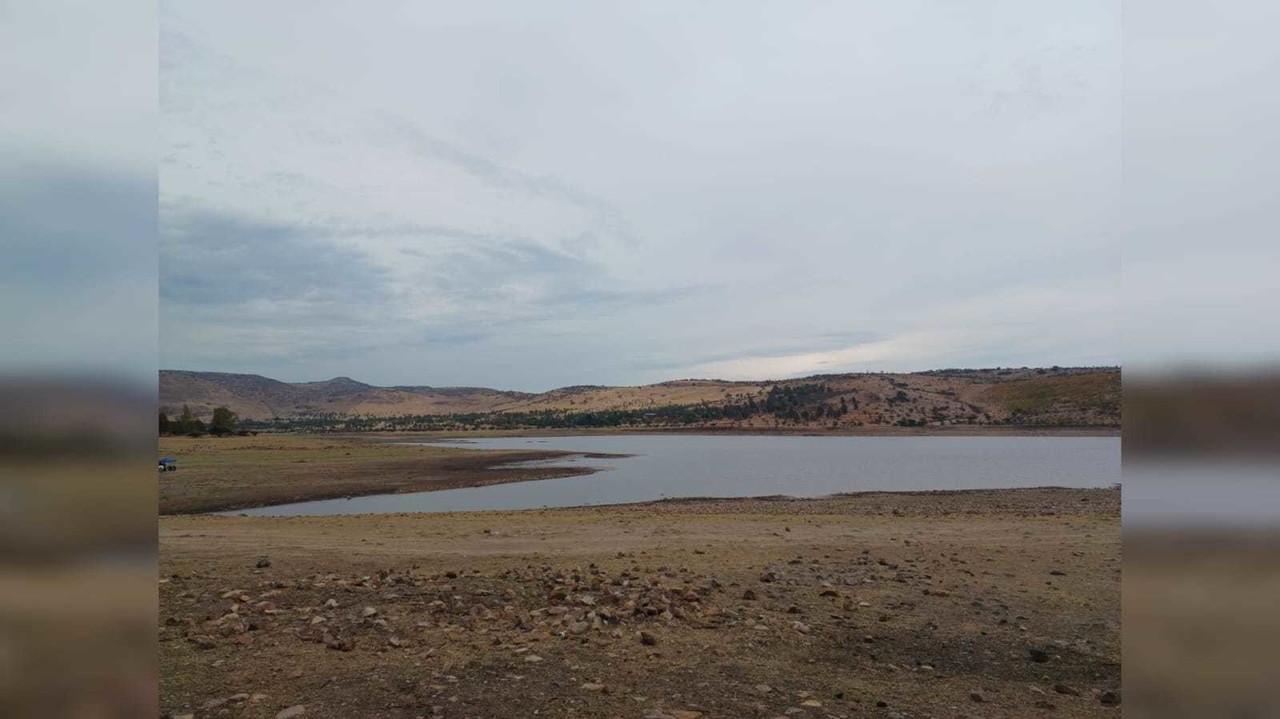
x=1047 y=397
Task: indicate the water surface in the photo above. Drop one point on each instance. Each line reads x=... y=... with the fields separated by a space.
x=670 y=466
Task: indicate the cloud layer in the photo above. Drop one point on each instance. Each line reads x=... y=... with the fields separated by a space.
x=497 y=196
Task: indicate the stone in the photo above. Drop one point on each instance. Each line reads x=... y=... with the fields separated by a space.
x=1110 y=699
x=368 y=612
x=263 y=563
x=685 y=714
x=1064 y=689
x=749 y=595
x=296 y=710
x=1038 y=656
x=811 y=703
x=976 y=697
x=648 y=639
x=593 y=687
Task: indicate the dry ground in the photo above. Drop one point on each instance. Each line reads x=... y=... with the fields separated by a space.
x=981 y=604
x=217 y=473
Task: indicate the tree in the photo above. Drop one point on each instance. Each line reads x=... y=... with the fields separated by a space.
x=165 y=425
x=224 y=421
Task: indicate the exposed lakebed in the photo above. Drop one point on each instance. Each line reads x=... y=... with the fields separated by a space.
x=678 y=466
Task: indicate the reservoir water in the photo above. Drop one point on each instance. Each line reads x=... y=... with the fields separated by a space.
x=672 y=466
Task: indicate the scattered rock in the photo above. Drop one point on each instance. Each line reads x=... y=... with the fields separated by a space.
x=368 y=612
x=749 y=595
x=593 y=687
x=263 y=563
x=648 y=639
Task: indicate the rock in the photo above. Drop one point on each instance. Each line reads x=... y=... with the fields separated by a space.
x=331 y=604
x=769 y=577
x=263 y=563
x=296 y=710
x=592 y=687
x=800 y=627
x=764 y=688
x=1110 y=699
x=1064 y=689
x=685 y=714
x=749 y=595
x=368 y=612
x=1038 y=656
x=811 y=703
x=1058 y=573
x=342 y=644
x=533 y=659
x=976 y=697
x=648 y=639
x=1042 y=704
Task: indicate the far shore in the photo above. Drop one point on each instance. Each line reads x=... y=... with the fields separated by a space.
x=877 y=431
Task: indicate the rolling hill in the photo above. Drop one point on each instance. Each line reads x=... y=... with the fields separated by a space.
x=1033 y=397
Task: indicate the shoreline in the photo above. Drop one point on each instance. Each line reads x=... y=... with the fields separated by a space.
x=772 y=501
x=877 y=431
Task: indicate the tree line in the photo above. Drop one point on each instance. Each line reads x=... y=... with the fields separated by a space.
x=224 y=422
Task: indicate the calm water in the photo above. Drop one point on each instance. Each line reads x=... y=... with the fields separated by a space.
x=666 y=466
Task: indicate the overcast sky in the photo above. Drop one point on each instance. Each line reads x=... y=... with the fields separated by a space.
x=530 y=195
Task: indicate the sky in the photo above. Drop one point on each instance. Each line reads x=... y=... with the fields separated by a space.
x=533 y=195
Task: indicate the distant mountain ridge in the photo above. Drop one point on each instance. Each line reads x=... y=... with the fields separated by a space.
x=1057 y=396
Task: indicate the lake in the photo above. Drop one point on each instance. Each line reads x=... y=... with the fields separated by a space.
x=671 y=466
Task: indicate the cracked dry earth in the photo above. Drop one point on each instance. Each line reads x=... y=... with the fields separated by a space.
x=979 y=604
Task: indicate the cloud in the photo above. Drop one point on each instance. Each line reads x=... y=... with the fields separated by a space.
x=531 y=198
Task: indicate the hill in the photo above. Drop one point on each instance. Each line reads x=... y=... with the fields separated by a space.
x=1024 y=397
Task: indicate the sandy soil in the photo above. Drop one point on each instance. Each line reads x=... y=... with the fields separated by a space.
x=983 y=604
